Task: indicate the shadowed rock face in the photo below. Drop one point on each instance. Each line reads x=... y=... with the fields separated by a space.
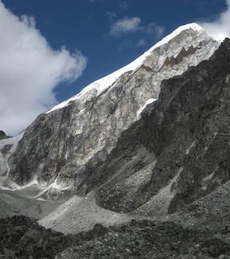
x=2 y=135
x=60 y=147
x=180 y=148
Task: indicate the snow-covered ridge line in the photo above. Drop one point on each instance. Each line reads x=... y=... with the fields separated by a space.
x=102 y=84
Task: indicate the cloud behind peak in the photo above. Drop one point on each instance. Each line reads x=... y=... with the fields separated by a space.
x=220 y=28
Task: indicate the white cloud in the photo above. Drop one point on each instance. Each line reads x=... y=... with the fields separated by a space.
x=124 y=26
x=132 y=25
x=29 y=71
x=221 y=27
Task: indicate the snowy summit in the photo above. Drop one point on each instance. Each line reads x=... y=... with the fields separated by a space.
x=103 y=83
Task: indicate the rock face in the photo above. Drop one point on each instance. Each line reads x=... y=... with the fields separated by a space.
x=178 y=151
x=63 y=145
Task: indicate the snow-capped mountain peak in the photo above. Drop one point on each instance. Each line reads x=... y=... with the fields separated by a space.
x=104 y=83
x=59 y=147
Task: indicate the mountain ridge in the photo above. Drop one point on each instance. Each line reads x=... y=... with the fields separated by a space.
x=58 y=144
x=179 y=149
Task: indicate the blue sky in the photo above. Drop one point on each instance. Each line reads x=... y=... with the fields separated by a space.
x=104 y=35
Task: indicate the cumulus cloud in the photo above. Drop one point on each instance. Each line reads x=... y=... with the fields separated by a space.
x=132 y=25
x=220 y=28
x=29 y=71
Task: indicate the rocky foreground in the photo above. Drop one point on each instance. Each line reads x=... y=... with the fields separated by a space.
x=21 y=237
x=200 y=231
